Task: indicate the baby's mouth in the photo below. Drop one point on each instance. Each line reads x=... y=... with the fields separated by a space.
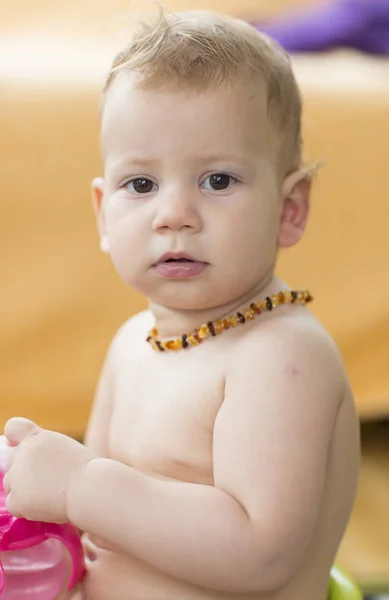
x=178 y=265
x=177 y=257
x=178 y=260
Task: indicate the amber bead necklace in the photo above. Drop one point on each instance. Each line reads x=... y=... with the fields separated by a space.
x=214 y=328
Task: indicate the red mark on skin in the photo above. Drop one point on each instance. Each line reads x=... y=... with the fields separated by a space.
x=292 y=370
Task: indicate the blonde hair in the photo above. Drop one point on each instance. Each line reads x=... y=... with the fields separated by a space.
x=201 y=49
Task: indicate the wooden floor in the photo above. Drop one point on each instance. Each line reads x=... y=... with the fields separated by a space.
x=365 y=547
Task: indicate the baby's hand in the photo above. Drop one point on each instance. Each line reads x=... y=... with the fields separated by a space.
x=40 y=465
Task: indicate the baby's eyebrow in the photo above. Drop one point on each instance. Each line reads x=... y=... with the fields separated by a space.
x=230 y=158
x=135 y=160
x=149 y=163
x=121 y=164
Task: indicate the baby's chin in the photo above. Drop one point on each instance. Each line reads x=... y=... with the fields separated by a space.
x=194 y=295
x=208 y=308
x=182 y=303
x=185 y=298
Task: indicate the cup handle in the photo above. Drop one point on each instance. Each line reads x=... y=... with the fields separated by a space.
x=68 y=535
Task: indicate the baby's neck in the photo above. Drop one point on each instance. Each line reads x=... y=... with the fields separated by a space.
x=174 y=323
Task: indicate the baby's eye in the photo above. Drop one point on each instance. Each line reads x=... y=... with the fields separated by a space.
x=219 y=181
x=140 y=185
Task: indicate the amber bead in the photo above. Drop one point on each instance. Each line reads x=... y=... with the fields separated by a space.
x=240 y=318
x=255 y=308
x=248 y=314
x=226 y=324
x=196 y=336
x=211 y=328
x=269 y=303
x=219 y=327
x=184 y=342
x=175 y=344
x=281 y=297
x=203 y=331
x=233 y=321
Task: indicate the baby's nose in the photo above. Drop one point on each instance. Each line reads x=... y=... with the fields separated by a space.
x=177 y=212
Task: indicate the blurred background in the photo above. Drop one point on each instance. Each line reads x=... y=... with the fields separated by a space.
x=60 y=298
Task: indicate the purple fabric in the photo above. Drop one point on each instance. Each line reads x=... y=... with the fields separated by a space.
x=360 y=24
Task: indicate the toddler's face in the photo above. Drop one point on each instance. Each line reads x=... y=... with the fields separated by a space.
x=189 y=172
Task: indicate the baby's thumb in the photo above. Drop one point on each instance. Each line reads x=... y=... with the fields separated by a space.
x=18 y=428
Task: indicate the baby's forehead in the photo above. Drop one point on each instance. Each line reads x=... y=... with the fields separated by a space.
x=232 y=113
x=127 y=90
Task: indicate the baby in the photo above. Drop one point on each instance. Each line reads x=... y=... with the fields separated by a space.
x=221 y=458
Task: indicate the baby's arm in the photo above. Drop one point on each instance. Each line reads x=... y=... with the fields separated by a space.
x=271 y=439
x=97 y=434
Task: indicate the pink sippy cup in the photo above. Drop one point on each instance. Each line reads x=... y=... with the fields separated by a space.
x=33 y=564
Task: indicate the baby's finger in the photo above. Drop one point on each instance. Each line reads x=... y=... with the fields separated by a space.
x=6 y=483
x=18 y=428
x=4 y=452
x=11 y=507
x=10 y=457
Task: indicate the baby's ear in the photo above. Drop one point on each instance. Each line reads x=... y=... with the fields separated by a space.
x=97 y=192
x=296 y=191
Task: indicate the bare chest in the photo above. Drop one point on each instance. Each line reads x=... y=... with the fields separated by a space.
x=164 y=414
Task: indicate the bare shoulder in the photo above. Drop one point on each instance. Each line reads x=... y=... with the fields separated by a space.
x=131 y=332
x=285 y=386
x=295 y=350
x=291 y=332
x=138 y=323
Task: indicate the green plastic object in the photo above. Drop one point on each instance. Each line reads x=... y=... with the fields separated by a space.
x=342 y=587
